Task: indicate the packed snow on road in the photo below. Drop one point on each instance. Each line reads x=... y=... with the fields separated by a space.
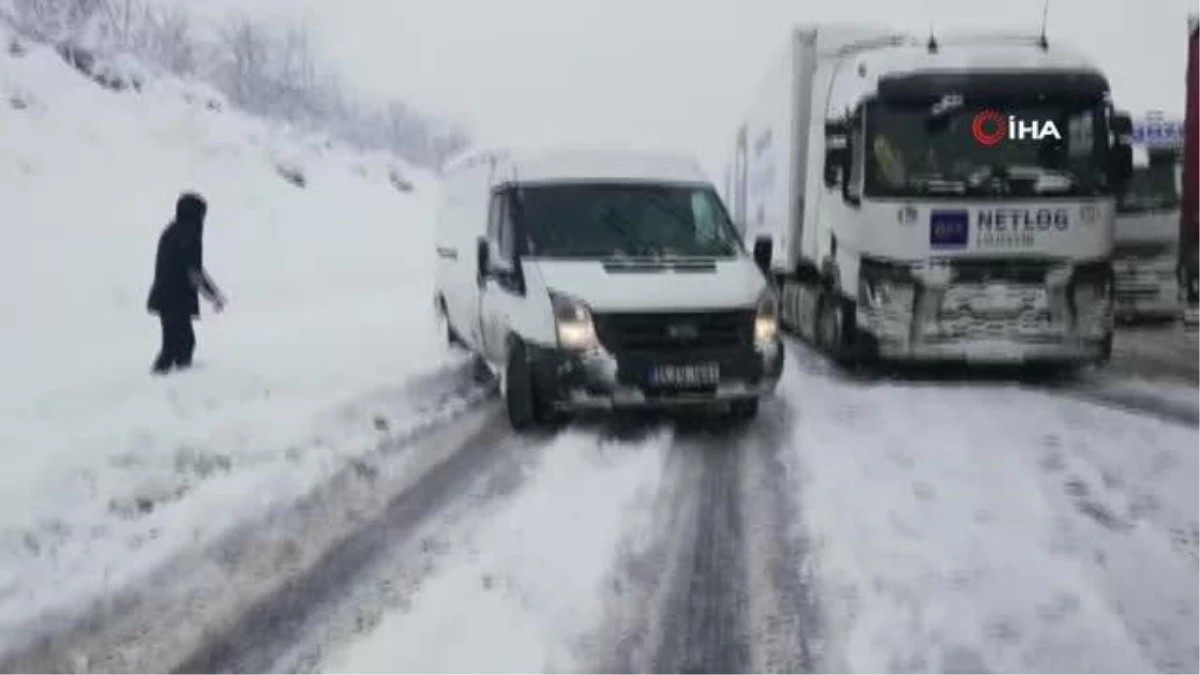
x=334 y=489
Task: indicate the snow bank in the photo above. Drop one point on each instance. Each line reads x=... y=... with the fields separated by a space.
x=995 y=529
x=522 y=593
x=107 y=469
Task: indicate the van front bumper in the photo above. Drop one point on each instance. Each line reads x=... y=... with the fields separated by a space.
x=599 y=379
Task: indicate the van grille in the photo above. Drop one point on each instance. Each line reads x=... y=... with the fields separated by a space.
x=675 y=331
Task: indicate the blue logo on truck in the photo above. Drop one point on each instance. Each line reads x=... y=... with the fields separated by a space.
x=949 y=229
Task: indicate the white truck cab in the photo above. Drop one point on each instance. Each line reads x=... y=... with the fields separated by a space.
x=1146 y=240
x=935 y=200
x=598 y=279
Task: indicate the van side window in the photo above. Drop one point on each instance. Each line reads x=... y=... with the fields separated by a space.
x=494 y=212
x=506 y=240
x=704 y=218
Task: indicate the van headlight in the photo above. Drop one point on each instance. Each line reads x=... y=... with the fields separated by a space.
x=573 y=323
x=766 y=318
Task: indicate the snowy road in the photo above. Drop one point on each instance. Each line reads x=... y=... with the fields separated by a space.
x=850 y=528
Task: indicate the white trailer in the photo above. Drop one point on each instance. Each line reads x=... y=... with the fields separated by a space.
x=1146 y=248
x=928 y=200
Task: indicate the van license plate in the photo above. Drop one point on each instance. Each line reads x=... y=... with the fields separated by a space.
x=696 y=375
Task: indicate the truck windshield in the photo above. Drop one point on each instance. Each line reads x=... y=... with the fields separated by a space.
x=934 y=149
x=622 y=220
x=1151 y=188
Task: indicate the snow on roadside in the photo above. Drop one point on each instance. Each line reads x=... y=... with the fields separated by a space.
x=535 y=580
x=996 y=528
x=108 y=470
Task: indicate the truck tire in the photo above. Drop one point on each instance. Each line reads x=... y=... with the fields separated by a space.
x=1106 y=350
x=743 y=411
x=829 y=332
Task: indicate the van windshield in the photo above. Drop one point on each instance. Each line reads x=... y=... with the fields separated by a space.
x=624 y=221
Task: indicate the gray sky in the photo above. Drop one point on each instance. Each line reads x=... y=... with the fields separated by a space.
x=675 y=74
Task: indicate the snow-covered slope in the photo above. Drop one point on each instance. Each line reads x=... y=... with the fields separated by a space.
x=105 y=469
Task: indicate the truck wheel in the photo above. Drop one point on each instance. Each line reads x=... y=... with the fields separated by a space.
x=744 y=411
x=829 y=329
x=1106 y=350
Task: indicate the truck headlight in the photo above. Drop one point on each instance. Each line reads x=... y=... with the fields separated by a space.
x=766 y=318
x=573 y=323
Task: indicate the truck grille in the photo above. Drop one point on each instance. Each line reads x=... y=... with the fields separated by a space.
x=983 y=270
x=1014 y=312
x=1130 y=293
x=675 y=331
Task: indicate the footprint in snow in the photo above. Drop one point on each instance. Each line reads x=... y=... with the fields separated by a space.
x=1061 y=606
x=1052 y=461
x=959 y=659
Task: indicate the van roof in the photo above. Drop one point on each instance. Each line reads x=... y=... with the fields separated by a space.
x=563 y=165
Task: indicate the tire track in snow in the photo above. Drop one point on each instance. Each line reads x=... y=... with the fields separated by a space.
x=1094 y=387
x=269 y=629
x=148 y=626
x=725 y=587
x=704 y=628
x=1111 y=395
x=783 y=614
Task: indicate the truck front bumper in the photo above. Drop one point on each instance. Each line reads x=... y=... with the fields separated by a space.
x=897 y=338
x=599 y=379
x=998 y=351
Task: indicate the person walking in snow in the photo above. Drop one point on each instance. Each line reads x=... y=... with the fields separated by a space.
x=179 y=278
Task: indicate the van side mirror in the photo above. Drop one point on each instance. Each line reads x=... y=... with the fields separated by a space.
x=762 y=254
x=1120 y=165
x=482 y=259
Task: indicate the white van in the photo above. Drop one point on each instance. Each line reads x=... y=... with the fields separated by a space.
x=601 y=279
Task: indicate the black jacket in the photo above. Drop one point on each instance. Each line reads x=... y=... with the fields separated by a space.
x=179 y=274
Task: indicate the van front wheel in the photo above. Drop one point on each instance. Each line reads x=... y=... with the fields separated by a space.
x=518 y=392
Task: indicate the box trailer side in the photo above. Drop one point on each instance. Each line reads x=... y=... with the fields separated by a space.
x=805 y=118
x=828 y=58
x=764 y=160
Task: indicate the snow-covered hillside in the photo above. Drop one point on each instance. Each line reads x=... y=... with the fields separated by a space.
x=104 y=470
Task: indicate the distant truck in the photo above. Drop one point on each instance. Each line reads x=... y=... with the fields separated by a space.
x=933 y=200
x=1189 y=215
x=1147 y=237
x=593 y=279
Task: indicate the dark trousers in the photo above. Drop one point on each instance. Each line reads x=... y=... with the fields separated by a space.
x=178 y=342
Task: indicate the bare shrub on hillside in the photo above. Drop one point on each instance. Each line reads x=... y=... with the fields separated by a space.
x=265 y=69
